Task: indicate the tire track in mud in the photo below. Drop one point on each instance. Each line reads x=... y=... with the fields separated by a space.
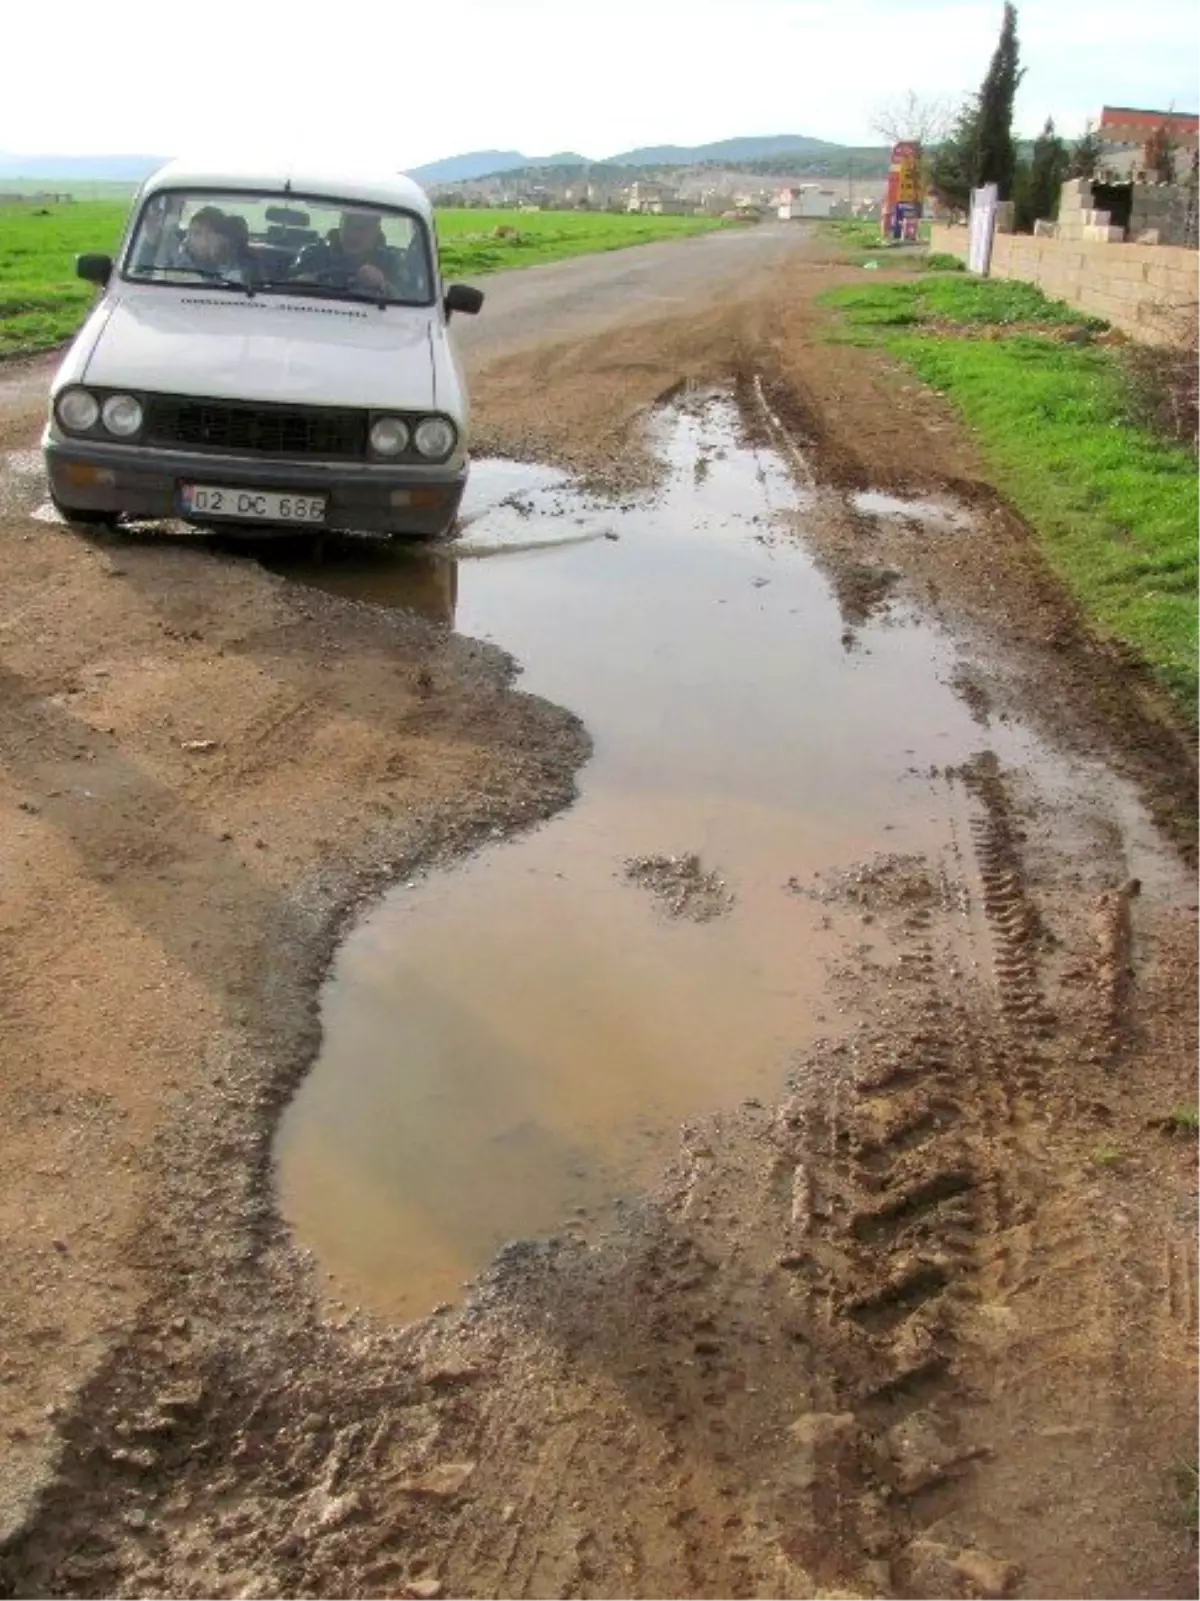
x=1114 y=968
x=773 y=1380
x=931 y=1184
x=1015 y=926
x=897 y=1247
x=984 y=1227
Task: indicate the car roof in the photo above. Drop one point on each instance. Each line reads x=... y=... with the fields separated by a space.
x=318 y=183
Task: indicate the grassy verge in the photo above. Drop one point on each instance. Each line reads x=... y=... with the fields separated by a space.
x=42 y=302
x=1114 y=506
x=476 y=242
x=867 y=247
x=857 y=233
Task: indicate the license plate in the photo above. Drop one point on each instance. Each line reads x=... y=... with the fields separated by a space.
x=251 y=505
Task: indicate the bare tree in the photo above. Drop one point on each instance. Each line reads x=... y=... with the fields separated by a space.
x=1159 y=154
x=925 y=120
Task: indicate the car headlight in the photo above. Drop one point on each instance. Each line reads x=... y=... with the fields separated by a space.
x=435 y=437
x=122 y=415
x=77 y=410
x=389 y=436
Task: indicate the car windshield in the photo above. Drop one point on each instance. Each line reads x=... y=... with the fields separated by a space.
x=268 y=243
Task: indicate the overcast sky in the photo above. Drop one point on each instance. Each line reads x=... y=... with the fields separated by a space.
x=411 y=82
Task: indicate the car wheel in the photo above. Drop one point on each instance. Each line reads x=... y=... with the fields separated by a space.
x=81 y=517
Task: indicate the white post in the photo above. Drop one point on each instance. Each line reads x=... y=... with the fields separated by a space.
x=983 y=228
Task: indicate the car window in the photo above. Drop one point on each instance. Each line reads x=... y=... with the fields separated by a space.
x=282 y=244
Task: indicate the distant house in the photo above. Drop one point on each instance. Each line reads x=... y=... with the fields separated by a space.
x=1130 y=125
x=809 y=200
x=1127 y=132
x=654 y=199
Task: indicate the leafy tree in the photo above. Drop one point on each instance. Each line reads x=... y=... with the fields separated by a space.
x=996 y=156
x=953 y=165
x=1088 y=155
x=1037 y=186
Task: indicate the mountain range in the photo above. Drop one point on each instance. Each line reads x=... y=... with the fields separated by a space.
x=91 y=169
x=453 y=169
x=489 y=163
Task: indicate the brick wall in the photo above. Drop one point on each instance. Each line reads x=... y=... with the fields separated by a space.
x=1137 y=288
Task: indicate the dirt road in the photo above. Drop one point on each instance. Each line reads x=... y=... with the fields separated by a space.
x=915 y=1317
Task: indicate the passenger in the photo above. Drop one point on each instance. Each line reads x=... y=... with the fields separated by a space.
x=356 y=256
x=216 y=244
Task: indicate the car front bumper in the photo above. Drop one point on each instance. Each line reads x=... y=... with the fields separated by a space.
x=140 y=482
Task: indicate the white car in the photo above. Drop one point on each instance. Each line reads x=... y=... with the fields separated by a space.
x=270 y=349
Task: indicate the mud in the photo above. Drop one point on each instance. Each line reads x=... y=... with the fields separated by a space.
x=682 y=886
x=515 y=1048
x=921 y=1323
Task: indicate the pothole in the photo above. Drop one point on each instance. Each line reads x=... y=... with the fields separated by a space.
x=510 y=1046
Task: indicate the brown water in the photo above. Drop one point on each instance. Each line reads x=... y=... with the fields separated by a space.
x=511 y=1045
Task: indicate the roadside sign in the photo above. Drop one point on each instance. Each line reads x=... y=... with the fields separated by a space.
x=904 y=186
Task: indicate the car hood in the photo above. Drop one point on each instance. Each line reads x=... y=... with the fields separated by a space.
x=271 y=348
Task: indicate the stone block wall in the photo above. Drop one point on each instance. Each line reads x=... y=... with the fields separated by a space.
x=1141 y=289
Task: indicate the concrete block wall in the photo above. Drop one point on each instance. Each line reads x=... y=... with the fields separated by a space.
x=1079 y=218
x=1161 y=207
x=1138 y=288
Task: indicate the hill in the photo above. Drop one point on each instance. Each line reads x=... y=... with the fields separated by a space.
x=830 y=162
x=488 y=163
x=491 y=163
x=726 y=151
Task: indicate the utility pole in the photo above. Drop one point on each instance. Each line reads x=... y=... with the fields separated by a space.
x=850 y=182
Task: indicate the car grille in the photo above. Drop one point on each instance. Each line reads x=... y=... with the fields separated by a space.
x=255 y=430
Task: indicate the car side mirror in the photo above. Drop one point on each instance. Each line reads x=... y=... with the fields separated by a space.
x=461 y=297
x=95 y=269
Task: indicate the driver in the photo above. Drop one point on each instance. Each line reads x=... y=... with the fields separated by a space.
x=354 y=256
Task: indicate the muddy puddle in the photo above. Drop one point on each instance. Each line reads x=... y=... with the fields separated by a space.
x=928 y=513
x=510 y=1047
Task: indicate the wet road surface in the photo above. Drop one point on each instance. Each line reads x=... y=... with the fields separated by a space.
x=510 y=1047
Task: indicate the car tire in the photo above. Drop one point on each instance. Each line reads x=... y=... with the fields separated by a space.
x=82 y=517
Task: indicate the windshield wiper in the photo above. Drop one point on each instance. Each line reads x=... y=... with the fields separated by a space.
x=297 y=286
x=209 y=274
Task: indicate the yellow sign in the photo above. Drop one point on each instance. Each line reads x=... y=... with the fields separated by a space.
x=908 y=185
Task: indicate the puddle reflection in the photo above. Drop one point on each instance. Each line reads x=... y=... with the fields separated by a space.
x=417 y=578
x=510 y=1045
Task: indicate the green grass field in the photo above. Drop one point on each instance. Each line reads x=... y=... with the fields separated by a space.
x=1114 y=506
x=470 y=244
x=77 y=188
x=42 y=302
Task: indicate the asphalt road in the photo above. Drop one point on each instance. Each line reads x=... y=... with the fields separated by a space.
x=573 y=296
